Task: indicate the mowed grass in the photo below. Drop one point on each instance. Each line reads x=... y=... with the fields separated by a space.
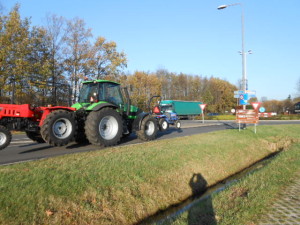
x=123 y=185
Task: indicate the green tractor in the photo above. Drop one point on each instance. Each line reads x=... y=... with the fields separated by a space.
x=104 y=115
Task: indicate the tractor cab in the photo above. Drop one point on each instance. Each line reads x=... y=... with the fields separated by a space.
x=100 y=91
x=96 y=94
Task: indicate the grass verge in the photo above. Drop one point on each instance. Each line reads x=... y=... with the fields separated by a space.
x=233 y=117
x=246 y=201
x=282 y=117
x=123 y=185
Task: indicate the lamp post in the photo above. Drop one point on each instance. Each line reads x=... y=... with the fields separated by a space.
x=243 y=53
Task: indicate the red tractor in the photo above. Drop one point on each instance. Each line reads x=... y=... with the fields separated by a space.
x=54 y=123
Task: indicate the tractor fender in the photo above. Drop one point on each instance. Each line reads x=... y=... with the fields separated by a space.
x=103 y=105
x=44 y=111
x=138 y=121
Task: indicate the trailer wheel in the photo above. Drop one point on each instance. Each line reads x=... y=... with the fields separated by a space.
x=104 y=127
x=148 y=130
x=59 y=128
x=37 y=137
x=178 y=124
x=163 y=124
x=5 y=137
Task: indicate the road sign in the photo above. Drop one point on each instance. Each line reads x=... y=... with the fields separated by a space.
x=265 y=114
x=251 y=92
x=262 y=109
x=243 y=102
x=240 y=92
x=246 y=116
x=202 y=106
x=255 y=105
x=246 y=96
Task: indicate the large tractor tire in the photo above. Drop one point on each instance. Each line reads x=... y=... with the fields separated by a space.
x=36 y=137
x=5 y=137
x=148 y=130
x=104 y=127
x=59 y=128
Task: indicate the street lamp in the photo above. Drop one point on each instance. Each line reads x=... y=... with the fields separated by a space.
x=243 y=53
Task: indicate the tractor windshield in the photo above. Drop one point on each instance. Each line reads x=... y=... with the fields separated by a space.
x=100 y=91
x=166 y=108
x=87 y=91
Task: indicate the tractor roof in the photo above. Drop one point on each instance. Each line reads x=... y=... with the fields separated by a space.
x=99 y=81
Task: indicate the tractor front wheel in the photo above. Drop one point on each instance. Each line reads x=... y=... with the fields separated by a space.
x=5 y=137
x=178 y=124
x=104 y=127
x=148 y=129
x=163 y=124
x=59 y=128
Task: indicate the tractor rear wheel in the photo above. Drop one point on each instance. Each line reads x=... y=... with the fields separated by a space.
x=59 y=128
x=5 y=137
x=148 y=130
x=104 y=127
x=37 y=137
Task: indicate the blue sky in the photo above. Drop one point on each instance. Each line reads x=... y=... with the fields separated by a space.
x=193 y=37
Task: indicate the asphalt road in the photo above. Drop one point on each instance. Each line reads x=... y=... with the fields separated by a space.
x=23 y=149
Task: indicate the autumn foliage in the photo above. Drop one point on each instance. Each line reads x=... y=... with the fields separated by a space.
x=46 y=65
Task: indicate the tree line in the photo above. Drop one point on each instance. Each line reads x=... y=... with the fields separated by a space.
x=285 y=106
x=47 y=64
x=44 y=65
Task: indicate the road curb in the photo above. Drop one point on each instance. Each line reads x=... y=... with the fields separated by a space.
x=201 y=125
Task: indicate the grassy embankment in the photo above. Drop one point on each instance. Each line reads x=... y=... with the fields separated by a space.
x=249 y=199
x=233 y=117
x=123 y=185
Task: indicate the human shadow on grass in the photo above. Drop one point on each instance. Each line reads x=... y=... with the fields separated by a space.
x=202 y=213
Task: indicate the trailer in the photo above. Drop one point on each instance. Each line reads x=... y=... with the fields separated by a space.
x=183 y=109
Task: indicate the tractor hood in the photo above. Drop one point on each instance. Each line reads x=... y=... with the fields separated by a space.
x=86 y=106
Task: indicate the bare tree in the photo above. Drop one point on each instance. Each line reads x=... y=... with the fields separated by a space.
x=107 y=61
x=56 y=35
x=77 y=52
